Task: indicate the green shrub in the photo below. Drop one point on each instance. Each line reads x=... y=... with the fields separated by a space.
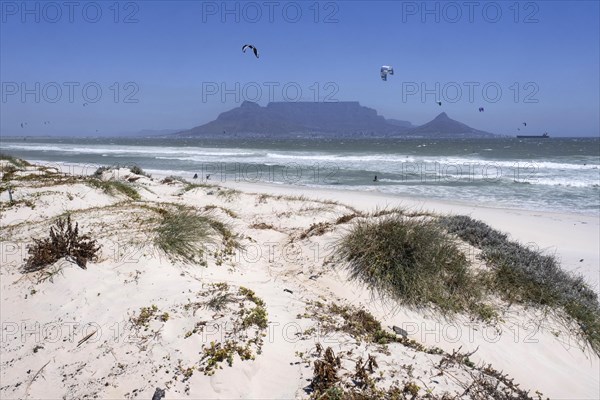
x=410 y=260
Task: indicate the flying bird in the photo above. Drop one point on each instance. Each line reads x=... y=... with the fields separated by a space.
x=249 y=46
x=21 y=124
x=481 y=109
x=385 y=71
x=524 y=123
x=85 y=104
x=439 y=103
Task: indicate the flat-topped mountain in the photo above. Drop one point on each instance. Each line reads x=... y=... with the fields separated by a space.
x=344 y=118
x=444 y=126
x=280 y=118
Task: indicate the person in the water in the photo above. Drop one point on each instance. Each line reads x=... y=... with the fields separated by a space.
x=375 y=179
x=195 y=176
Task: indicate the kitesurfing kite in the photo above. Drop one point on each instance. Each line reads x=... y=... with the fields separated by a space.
x=249 y=46
x=385 y=71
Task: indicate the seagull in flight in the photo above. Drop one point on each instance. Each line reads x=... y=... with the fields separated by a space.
x=249 y=46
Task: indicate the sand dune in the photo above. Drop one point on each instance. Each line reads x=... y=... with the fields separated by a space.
x=152 y=322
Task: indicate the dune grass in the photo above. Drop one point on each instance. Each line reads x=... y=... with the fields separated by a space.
x=112 y=187
x=416 y=262
x=525 y=276
x=411 y=261
x=139 y=171
x=17 y=162
x=228 y=194
x=183 y=233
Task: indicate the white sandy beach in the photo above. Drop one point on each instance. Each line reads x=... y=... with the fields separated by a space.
x=43 y=320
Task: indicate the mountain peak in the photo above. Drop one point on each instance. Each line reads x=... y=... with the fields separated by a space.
x=249 y=104
x=444 y=126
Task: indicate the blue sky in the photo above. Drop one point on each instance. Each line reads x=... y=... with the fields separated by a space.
x=155 y=62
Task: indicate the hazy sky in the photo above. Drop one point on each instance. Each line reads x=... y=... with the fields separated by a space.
x=161 y=65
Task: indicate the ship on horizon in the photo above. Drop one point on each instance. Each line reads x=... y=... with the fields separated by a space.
x=544 y=136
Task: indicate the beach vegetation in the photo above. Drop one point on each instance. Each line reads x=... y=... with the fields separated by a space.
x=148 y=314
x=226 y=210
x=238 y=341
x=139 y=171
x=332 y=379
x=410 y=260
x=191 y=186
x=524 y=275
x=98 y=173
x=8 y=172
x=182 y=233
x=262 y=198
x=262 y=226
x=344 y=219
x=228 y=194
x=17 y=162
x=220 y=300
x=64 y=241
x=112 y=187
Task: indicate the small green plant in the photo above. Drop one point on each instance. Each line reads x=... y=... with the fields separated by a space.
x=216 y=353
x=411 y=388
x=146 y=314
x=220 y=301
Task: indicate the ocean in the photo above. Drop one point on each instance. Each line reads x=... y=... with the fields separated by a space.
x=556 y=174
